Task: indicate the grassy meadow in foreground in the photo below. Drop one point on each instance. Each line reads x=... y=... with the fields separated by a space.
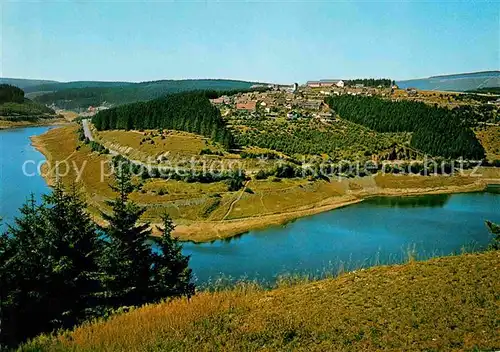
x=449 y=303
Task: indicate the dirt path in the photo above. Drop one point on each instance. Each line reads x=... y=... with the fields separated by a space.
x=236 y=200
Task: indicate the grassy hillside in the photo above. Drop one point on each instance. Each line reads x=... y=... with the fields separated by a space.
x=28 y=108
x=82 y=97
x=201 y=209
x=15 y=107
x=456 y=82
x=489 y=137
x=445 y=304
x=188 y=111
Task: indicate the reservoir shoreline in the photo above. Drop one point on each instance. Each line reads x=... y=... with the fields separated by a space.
x=366 y=227
x=199 y=232
x=207 y=231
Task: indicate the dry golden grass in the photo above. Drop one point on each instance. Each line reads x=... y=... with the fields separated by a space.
x=59 y=145
x=177 y=144
x=489 y=136
x=4 y=124
x=419 y=182
x=178 y=187
x=68 y=115
x=202 y=231
x=490 y=173
x=270 y=197
x=431 y=97
x=445 y=304
x=181 y=200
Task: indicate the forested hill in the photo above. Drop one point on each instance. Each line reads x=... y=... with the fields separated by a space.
x=74 y=98
x=11 y=94
x=24 y=83
x=370 y=82
x=436 y=131
x=57 y=86
x=14 y=106
x=457 y=82
x=189 y=111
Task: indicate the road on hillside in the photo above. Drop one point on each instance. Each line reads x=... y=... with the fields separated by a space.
x=86 y=130
x=88 y=134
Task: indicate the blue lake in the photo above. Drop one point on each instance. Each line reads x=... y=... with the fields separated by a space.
x=378 y=230
x=15 y=186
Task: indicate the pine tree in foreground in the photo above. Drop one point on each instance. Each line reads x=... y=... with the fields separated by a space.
x=127 y=257
x=79 y=245
x=171 y=274
x=57 y=269
x=22 y=276
x=48 y=267
x=136 y=273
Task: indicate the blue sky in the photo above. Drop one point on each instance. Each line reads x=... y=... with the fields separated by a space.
x=282 y=41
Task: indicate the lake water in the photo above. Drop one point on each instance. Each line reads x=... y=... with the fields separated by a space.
x=15 y=187
x=378 y=230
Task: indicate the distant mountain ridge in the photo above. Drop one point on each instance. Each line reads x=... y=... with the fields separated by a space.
x=82 y=94
x=40 y=85
x=23 y=83
x=468 y=74
x=455 y=82
x=56 y=86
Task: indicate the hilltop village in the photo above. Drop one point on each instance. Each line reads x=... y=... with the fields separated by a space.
x=307 y=101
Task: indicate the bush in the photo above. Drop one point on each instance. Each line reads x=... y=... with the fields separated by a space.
x=261 y=175
x=286 y=171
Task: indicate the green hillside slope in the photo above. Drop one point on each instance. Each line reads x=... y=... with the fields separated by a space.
x=15 y=107
x=189 y=111
x=81 y=98
x=457 y=82
x=444 y=304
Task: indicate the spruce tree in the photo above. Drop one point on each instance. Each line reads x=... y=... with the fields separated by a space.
x=172 y=275
x=127 y=257
x=78 y=249
x=48 y=269
x=22 y=275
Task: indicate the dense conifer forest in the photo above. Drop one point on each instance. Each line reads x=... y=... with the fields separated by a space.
x=80 y=95
x=370 y=82
x=14 y=106
x=436 y=131
x=190 y=112
x=11 y=94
